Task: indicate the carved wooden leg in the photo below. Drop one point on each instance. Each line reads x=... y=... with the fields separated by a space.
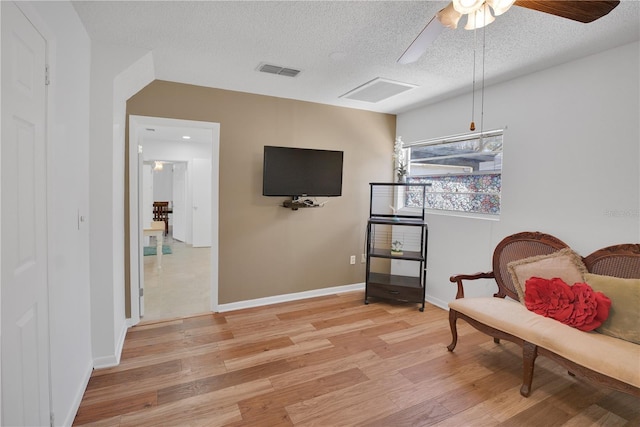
x=454 y=330
x=529 y=354
x=496 y=340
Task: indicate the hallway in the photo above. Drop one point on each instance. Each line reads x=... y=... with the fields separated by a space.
x=181 y=287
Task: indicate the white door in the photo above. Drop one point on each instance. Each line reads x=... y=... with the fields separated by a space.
x=25 y=322
x=201 y=185
x=179 y=201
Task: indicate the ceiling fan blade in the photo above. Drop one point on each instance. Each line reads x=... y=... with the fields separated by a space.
x=420 y=45
x=581 y=10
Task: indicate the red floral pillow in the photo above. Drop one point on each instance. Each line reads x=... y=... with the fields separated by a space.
x=578 y=305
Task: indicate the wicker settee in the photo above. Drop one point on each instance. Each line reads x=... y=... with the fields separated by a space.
x=599 y=357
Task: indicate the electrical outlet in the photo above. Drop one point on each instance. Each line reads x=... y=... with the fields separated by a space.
x=363 y=259
x=352 y=260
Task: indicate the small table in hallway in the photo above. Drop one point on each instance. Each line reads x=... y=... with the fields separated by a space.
x=157 y=230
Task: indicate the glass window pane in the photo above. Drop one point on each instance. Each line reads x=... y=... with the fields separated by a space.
x=465 y=174
x=456 y=157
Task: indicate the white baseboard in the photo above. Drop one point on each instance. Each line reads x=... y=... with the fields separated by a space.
x=259 y=302
x=437 y=302
x=114 y=359
x=120 y=342
x=75 y=405
x=105 y=362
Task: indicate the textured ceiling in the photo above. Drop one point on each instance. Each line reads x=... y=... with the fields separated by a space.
x=340 y=45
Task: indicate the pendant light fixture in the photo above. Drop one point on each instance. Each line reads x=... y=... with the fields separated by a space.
x=467 y=6
x=472 y=125
x=480 y=18
x=479 y=12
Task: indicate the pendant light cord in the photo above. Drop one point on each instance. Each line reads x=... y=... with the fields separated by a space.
x=484 y=43
x=472 y=126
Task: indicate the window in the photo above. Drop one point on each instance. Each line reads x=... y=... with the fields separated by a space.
x=465 y=172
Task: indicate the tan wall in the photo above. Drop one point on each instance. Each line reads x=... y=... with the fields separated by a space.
x=265 y=249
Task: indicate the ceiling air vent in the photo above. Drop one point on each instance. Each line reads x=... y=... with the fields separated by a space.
x=377 y=90
x=276 y=69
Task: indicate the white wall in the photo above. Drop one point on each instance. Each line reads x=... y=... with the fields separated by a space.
x=163 y=184
x=68 y=197
x=571 y=163
x=175 y=152
x=116 y=74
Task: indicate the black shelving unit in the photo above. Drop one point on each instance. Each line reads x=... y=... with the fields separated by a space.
x=392 y=274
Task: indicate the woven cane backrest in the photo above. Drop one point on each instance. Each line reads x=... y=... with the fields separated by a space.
x=161 y=213
x=619 y=260
x=516 y=247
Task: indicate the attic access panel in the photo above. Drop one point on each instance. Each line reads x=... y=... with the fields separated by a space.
x=377 y=90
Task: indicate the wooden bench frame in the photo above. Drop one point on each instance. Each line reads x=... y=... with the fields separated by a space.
x=618 y=260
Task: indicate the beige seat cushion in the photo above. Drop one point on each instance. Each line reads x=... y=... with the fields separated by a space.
x=607 y=355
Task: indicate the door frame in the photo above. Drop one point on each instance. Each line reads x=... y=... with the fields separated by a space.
x=137 y=125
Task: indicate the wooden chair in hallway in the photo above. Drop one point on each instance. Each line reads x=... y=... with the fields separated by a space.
x=161 y=213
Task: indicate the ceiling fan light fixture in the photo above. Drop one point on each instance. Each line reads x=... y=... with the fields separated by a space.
x=467 y=6
x=500 y=6
x=480 y=19
x=449 y=17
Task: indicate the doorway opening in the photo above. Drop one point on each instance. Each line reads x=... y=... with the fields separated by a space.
x=174 y=163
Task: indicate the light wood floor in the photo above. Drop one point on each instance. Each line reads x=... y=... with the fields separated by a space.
x=333 y=361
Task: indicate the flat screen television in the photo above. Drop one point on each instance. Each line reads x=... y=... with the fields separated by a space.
x=301 y=172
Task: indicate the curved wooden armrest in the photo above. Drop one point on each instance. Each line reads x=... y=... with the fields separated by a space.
x=460 y=277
